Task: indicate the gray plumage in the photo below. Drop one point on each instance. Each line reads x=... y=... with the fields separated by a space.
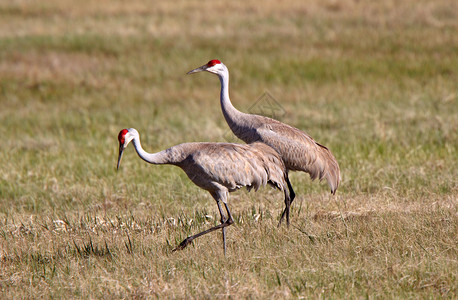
x=219 y=168
x=297 y=149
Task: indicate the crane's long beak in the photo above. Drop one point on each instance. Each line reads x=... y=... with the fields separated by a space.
x=199 y=69
x=121 y=150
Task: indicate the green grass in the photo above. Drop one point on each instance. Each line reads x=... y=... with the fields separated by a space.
x=375 y=82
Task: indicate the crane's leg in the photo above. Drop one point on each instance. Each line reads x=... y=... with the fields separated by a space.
x=221 y=196
x=229 y=218
x=223 y=219
x=289 y=198
x=286 y=210
x=292 y=194
x=226 y=223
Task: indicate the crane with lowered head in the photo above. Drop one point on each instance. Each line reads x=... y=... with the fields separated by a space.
x=219 y=168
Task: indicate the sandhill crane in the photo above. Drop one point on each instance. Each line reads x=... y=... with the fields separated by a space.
x=219 y=168
x=298 y=150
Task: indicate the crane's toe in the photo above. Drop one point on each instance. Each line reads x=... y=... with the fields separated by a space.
x=285 y=212
x=183 y=244
x=281 y=218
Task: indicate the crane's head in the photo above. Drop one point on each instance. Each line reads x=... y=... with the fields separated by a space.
x=213 y=66
x=125 y=136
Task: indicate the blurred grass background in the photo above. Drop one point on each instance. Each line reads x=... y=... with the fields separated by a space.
x=375 y=81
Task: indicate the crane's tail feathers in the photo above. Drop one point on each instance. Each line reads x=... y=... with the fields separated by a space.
x=333 y=174
x=331 y=169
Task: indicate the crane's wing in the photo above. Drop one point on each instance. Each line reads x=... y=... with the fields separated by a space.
x=299 y=151
x=234 y=166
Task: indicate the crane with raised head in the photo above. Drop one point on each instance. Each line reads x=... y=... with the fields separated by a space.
x=297 y=149
x=219 y=168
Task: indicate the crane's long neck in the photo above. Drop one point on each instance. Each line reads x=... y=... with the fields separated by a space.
x=159 y=158
x=231 y=114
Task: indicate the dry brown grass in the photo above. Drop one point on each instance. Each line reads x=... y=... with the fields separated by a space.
x=374 y=81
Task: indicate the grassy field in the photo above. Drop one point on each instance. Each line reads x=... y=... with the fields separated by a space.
x=375 y=81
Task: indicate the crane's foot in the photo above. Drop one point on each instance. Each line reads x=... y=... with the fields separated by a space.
x=183 y=244
x=282 y=216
